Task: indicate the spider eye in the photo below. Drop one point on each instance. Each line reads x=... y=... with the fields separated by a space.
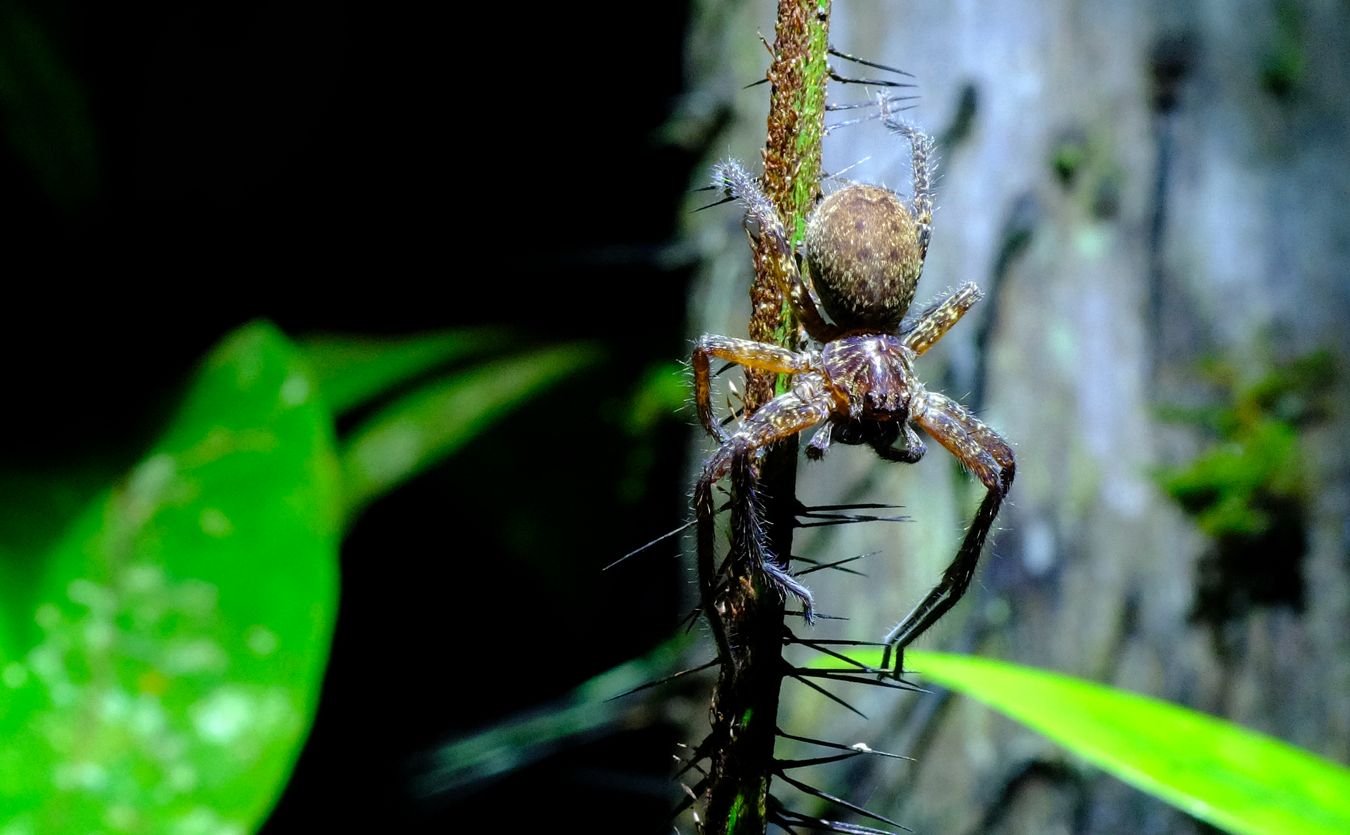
x=864 y=254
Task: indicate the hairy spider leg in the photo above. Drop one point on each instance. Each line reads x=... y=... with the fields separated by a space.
x=924 y=161
x=782 y=417
x=911 y=453
x=820 y=441
x=990 y=459
x=939 y=318
x=744 y=352
x=762 y=221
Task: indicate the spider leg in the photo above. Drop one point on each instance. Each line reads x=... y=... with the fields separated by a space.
x=786 y=415
x=820 y=442
x=750 y=534
x=989 y=457
x=743 y=352
x=763 y=222
x=924 y=161
x=910 y=453
x=731 y=178
x=939 y=317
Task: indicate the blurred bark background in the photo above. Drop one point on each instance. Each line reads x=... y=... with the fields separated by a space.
x=1154 y=200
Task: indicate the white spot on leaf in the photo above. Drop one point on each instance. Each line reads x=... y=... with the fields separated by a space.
x=182 y=778
x=261 y=640
x=48 y=616
x=295 y=390
x=215 y=523
x=220 y=717
x=98 y=635
x=95 y=598
x=151 y=477
x=89 y=776
x=185 y=656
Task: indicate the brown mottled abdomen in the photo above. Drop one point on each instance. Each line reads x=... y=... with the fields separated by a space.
x=862 y=247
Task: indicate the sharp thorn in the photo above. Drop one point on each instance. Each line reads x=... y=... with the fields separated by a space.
x=839 y=801
x=868 y=82
x=840 y=676
x=866 y=63
x=692 y=618
x=860 y=747
x=682 y=528
x=803 y=509
x=815 y=615
x=826 y=651
x=711 y=205
x=837 y=642
x=848 y=167
x=849 y=520
x=827 y=694
x=822 y=825
x=671 y=677
x=837 y=565
x=701 y=752
x=807 y=763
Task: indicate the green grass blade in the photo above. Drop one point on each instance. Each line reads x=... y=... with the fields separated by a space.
x=593 y=709
x=1219 y=772
x=169 y=656
x=415 y=432
x=352 y=370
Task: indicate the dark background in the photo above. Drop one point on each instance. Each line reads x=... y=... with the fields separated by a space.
x=170 y=171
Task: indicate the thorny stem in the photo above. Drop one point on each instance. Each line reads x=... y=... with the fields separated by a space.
x=751 y=628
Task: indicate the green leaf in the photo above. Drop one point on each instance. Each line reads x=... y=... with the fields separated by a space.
x=352 y=370
x=173 y=649
x=420 y=429
x=1222 y=773
x=663 y=390
x=604 y=705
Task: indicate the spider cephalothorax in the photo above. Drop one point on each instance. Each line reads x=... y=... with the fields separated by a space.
x=864 y=249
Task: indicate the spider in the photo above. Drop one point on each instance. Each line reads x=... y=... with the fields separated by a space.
x=864 y=250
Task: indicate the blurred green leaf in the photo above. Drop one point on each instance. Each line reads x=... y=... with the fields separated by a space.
x=416 y=431
x=661 y=393
x=664 y=389
x=593 y=709
x=351 y=370
x=164 y=673
x=1219 y=772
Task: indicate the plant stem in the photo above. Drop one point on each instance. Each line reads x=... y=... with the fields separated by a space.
x=745 y=700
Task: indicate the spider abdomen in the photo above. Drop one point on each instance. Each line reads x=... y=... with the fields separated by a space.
x=864 y=253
